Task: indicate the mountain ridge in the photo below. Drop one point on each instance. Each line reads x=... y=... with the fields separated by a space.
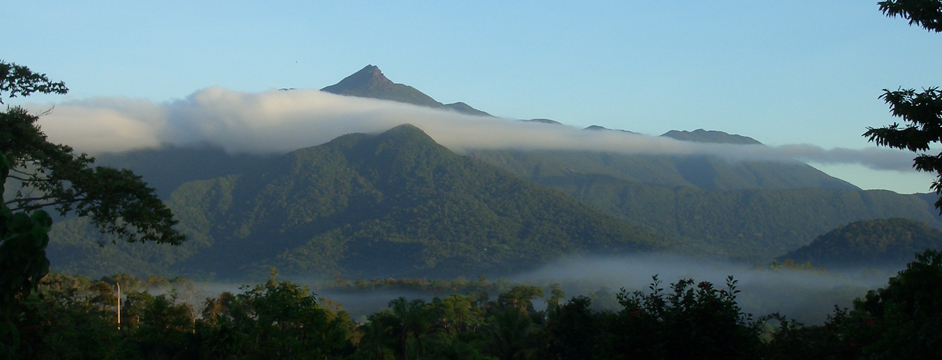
x=370 y=82
x=711 y=136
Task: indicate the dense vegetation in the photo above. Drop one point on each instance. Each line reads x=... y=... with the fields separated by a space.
x=754 y=211
x=73 y=317
x=391 y=204
x=873 y=243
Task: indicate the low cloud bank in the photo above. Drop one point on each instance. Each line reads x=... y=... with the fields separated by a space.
x=282 y=121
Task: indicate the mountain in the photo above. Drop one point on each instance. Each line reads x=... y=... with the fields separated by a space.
x=698 y=171
x=746 y=210
x=711 y=136
x=751 y=211
x=370 y=82
x=362 y=205
x=170 y=166
x=602 y=128
x=873 y=244
x=543 y=121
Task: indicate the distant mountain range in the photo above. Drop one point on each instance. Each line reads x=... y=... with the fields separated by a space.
x=397 y=203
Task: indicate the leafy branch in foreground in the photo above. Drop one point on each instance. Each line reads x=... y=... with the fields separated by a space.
x=922 y=111
x=52 y=175
x=17 y=80
x=925 y=13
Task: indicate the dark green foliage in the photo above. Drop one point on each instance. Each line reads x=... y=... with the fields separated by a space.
x=692 y=321
x=23 y=240
x=72 y=318
x=925 y=13
x=511 y=334
x=904 y=319
x=271 y=320
x=520 y=298
x=158 y=325
x=872 y=243
x=75 y=318
x=574 y=329
x=52 y=176
x=17 y=80
x=922 y=111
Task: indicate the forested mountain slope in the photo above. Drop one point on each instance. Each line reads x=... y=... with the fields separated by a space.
x=170 y=166
x=752 y=211
x=391 y=204
x=704 y=172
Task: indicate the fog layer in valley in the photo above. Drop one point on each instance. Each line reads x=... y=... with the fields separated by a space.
x=806 y=295
x=282 y=121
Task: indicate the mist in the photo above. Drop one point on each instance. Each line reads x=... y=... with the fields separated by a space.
x=806 y=295
x=283 y=121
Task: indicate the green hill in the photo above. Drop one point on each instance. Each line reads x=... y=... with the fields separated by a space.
x=371 y=83
x=362 y=205
x=874 y=243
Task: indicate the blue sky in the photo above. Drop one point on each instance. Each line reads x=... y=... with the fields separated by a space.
x=795 y=72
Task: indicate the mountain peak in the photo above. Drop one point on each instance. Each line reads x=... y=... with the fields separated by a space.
x=367 y=79
x=711 y=136
x=370 y=82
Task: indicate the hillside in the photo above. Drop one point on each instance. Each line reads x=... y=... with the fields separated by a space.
x=752 y=211
x=362 y=205
x=875 y=243
x=168 y=167
x=704 y=172
x=747 y=210
x=370 y=82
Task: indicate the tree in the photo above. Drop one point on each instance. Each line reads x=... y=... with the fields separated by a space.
x=23 y=239
x=50 y=175
x=53 y=176
x=17 y=80
x=921 y=111
x=925 y=13
x=904 y=319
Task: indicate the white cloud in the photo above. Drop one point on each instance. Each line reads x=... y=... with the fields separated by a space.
x=282 y=121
